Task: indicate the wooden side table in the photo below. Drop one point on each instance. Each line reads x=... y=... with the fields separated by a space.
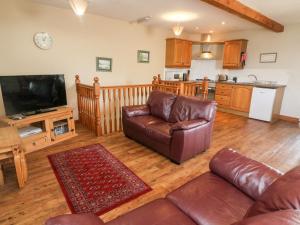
x=10 y=146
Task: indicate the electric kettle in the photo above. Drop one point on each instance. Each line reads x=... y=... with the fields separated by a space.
x=222 y=77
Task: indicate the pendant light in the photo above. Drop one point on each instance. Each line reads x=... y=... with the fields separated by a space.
x=79 y=6
x=178 y=30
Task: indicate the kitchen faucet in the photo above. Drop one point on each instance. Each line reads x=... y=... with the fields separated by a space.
x=252 y=75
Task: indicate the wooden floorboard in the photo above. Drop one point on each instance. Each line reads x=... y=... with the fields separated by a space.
x=275 y=144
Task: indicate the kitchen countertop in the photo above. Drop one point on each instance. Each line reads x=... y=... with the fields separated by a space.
x=271 y=86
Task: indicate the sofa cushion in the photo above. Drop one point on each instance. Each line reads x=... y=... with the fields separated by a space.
x=209 y=199
x=248 y=175
x=160 y=104
x=159 y=132
x=158 y=212
x=283 y=194
x=141 y=122
x=75 y=219
x=192 y=108
x=282 y=217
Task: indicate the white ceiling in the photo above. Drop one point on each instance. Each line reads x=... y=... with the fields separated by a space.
x=208 y=17
x=282 y=11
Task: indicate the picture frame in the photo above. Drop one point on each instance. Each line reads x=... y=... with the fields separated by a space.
x=143 y=56
x=268 y=57
x=103 y=64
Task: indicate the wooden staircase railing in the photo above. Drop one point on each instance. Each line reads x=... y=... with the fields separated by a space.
x=185 y=88
x=100 y=107
x=113 y=98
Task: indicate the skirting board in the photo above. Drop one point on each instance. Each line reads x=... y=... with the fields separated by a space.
x=278 y=117
x=289 y=119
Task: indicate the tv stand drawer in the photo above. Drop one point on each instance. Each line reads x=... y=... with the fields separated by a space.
x=34 y=144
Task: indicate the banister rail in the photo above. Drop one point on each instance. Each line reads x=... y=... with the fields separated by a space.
x=100 y=107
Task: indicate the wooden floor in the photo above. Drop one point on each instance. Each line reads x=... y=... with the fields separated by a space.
x=277 y=145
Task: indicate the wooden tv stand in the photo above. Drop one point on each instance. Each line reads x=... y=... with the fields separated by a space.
x=49 y=123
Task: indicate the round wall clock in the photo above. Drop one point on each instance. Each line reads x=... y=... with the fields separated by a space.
x=43 y=40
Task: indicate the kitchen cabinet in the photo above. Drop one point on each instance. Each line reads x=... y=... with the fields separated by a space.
x=233 y=52
x=178 y=53
x=241 y=98
x=234 y=97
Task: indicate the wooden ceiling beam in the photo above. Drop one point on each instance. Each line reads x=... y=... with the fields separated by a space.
x=237 y=8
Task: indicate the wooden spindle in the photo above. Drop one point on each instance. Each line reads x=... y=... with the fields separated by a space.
x=97 y=107
x=104 y=112
x=115 y=109
x=120 y=109
x=109 y=110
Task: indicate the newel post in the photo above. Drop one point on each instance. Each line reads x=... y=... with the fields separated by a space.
x=181 y=88
x=97 y=107
x=77 y=82
x=154 y=81
x=205 y=83
x=159 y=78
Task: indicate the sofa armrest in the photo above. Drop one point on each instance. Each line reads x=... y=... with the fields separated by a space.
x=248 y=175
x=75 y=219
x=137 y=110
x=186 y=125
x=186 y=144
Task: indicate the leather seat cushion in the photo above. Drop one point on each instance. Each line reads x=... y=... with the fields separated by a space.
x=141 y=122
x=159 y=132
x=281 y=217
x=158 y=212
x=75 y=219
x=283 y=194
x=209 y=199
x=160 y=104
x=191 y=108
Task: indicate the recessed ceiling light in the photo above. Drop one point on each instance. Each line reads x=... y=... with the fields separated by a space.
x=79 y=6
x=223 y=23
x=179 y=16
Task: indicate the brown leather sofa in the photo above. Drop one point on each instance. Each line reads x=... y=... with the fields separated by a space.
x=175 y=126
x=237 y=191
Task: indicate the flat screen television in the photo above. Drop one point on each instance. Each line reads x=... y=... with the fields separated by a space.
x=32 y=94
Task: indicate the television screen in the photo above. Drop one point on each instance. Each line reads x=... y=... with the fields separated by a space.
x=22 y=94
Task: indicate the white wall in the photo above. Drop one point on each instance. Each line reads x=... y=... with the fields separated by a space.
x=285 y=71
x=77 y=42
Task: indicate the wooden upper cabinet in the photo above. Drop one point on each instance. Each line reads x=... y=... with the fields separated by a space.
x=178 y=53
x=187 y=53
x=241 y=98
x=233 y=51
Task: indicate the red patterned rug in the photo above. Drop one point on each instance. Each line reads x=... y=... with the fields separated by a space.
x=94 y=181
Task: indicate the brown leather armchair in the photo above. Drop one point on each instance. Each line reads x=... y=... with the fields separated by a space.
x=237 y=191
x=176 y=127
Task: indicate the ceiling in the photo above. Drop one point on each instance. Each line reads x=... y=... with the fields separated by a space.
x=282 y=11
x=208 y=18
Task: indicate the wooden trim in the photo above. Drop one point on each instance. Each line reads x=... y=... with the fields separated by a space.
x=208 y=43
x=289 y=119
x=237 y=8
x=231 y=111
